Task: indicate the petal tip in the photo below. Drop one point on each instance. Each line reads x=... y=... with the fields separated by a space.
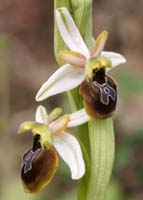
x=124 y=60
x=78 y=176
x=42 y=94
x=69 y=32
x=37 y=98
x=105 y=33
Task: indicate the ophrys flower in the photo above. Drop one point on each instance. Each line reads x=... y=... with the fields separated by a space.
x=50 y=139
x=83 y=65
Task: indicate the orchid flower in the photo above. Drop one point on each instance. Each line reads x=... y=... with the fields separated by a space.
x=50 y=137
x=79 y=61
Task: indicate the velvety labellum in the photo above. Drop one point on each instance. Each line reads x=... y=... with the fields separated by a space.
x=38 y=167
x=100 y=96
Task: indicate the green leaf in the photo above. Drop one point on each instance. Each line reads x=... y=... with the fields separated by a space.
x=101 y=136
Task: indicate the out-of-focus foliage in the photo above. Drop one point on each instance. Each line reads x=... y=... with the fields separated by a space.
x=27 y=59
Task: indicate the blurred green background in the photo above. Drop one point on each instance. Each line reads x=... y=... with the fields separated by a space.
x=27 y=60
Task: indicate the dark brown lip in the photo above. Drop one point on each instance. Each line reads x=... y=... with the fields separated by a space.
x=41 y=170
x=38 y=166
x=98 y=101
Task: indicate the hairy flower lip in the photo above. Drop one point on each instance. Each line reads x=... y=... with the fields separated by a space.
x=72 y=74
x=43 y=168
x=95 y=106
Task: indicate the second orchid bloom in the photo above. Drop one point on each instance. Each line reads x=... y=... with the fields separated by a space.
x=84 y=68
x=40 y=162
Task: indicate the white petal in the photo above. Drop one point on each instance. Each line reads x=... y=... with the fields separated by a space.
x=70 y=33
x=54 y=114
x=71 y=57
x=79 y=117
x=65 y=78
x=99 y=44
x=115 y=58
x=69 y=149
x=60 y=125
x=41 y=114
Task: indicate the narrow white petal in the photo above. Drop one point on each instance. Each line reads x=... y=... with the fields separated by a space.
x=41 y=114
x=70 y=33
x=99 y=44
x=54 y=114
x=64 y=79
x=79 y=117
x=115 y=58
x=69 y=149
x=71 y=57
x=60 y=125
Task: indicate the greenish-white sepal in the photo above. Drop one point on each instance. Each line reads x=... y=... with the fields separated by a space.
x=70 y=151
x=70 y=33
x=115 y=58
x=64 y=79
x=41 y=114
x=78 y=118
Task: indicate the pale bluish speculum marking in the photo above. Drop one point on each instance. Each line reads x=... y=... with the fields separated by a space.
x=27 y=162
x=106 y=92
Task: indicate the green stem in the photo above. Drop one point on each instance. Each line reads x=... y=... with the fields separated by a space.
x=81 y=11
x=99 y=144
x=101 y=136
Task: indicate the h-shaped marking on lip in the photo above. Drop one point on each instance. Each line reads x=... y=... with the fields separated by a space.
x=27 y=162
x=106 y=91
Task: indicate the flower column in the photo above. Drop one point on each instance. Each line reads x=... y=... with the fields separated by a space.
x=101 y=136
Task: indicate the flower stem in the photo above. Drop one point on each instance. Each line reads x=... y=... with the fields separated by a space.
x=82 y=13
x=98 y=136
x=101 y=136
